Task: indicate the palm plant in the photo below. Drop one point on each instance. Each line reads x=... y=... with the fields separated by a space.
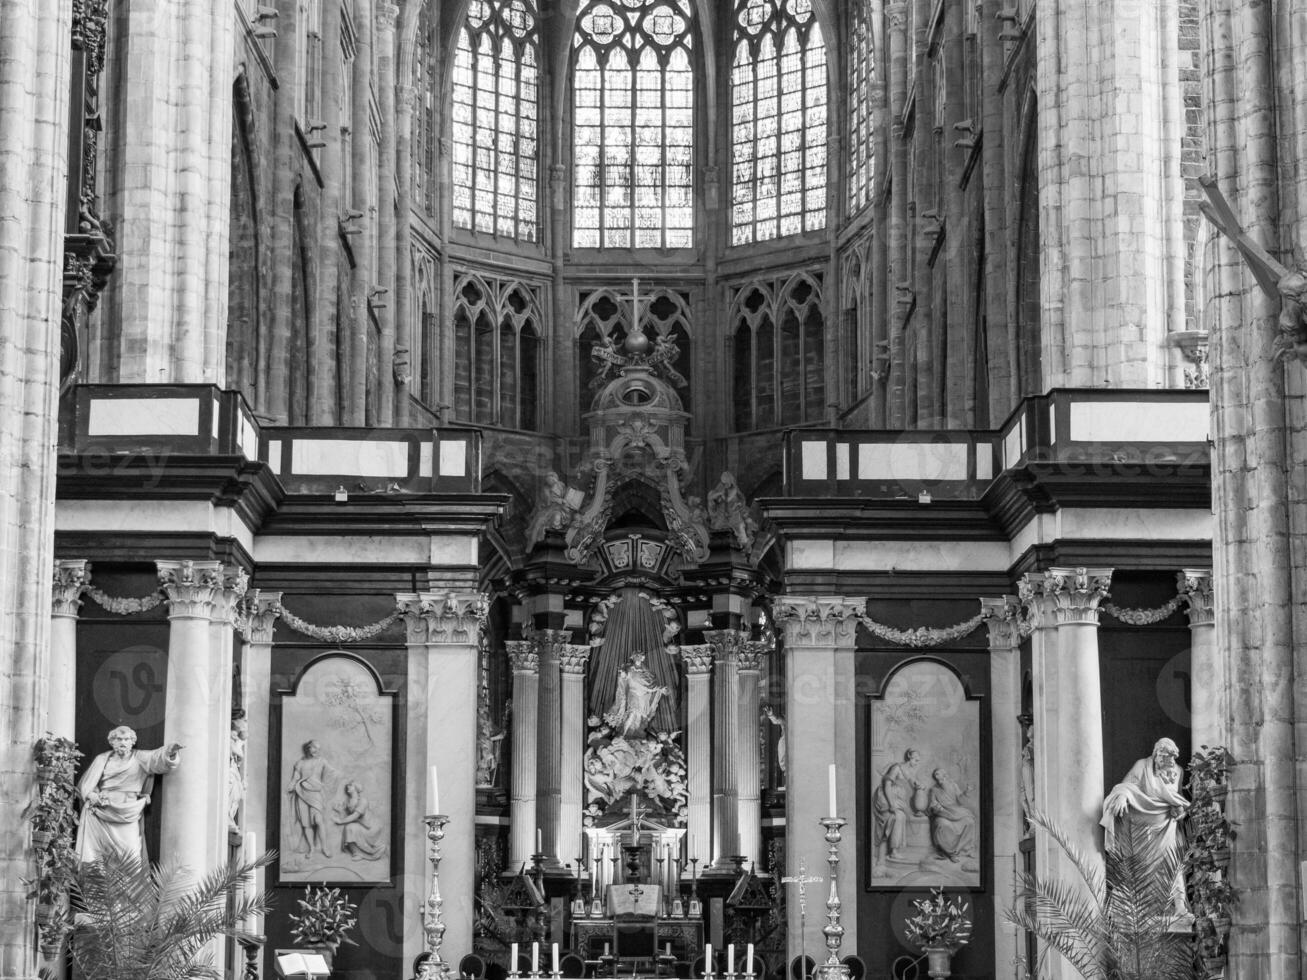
x=1116 y=922
x=134 y=921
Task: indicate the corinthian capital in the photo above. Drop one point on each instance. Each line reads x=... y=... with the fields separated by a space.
x=1003 y=617
x=549 y=643
x=572 y=657
x=751 y=653
x=1195 y=584
x=192 y=587
x=697 y=657
x=817 y=621
x=443 y=618
x=72 y=576
x=726 y=644
x=261 y=612
x=385 y=14
x=523 y=656
x=1064 y=596
x=227 y=600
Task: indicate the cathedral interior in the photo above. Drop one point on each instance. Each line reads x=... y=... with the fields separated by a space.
x=663 y=476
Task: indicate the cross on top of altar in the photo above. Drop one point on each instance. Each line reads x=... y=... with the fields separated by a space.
x=802 y=879
x=637 y=813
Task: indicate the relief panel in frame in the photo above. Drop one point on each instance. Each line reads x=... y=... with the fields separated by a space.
x=337 y=755
x=924 y=779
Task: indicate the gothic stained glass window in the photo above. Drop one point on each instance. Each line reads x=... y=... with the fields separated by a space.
x=633 y=125
x=777 y=332
x=497 y=338
x=424 y=120
x=778 y=121
x=495 y=119
x=862 y=77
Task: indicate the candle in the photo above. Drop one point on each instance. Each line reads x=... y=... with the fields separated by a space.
x=748 y=959
x=730 y=960
x=830 y=788
x=512 y=960
x=433 y=793
x=707 y=959
x=251 y=886
x=535 y=957
x=607 y=949
x=555 y=959
x=540 y=841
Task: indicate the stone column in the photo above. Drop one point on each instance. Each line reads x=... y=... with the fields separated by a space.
x=1210 y=686
x=1068 y=712
x=34 y=87
x=572 y=661
x=525 y=662
x=1002 y=618
x=71 y=579
x=222 y=653
x=726 y=738
x=385 y=15
x=698 y=661
x=820 y=636
x=549 y=800
x=195 y=716
x=264 y=608
x=443 y=632
x=749 y=820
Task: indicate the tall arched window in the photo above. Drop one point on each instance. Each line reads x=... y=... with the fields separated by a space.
x=633 y=125
x=423 y=141
x=778 y=122
x=497 y=344
x=496 y=98
x=862 y=77
x=778 y=346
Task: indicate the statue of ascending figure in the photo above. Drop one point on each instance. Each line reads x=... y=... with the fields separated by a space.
x=635 y=698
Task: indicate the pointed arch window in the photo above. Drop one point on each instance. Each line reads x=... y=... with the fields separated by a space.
x=495 y=119
x=862 y=79
x=423 y=141
x=633 y=125
x=778 y=121
x=497 y=337
x=778 y=352
x=604 y=318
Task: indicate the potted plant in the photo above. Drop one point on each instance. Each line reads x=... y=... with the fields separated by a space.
x=137 y=922
x=54 y=831
x=324 y=920
x=940 y=928
x=1207 y=856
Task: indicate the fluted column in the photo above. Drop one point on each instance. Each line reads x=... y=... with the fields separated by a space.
x=256 y=678
x=572 y=661
x=726 y=739
x=820 y=637
x=525 y=661
x=549 y=786
x=1063 y=606
x=71 y=579
x=222 y=653
x=698 y=660
x=1211 y=682
x=1002 y=618
x=443 y=631
x=193 y=588
x=749 y=820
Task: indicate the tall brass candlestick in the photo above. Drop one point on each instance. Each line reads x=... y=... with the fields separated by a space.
x=833 y=969
x=433 y=920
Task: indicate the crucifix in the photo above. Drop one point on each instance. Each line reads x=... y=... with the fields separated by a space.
x=802 y=879
x=636 y=340
x=636 y=814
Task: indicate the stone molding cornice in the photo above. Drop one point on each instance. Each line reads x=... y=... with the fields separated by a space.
x=443 y=618
x=72 y=576
x=260 y=619
x=1064 y=596
x=523 y=657
x=193 y=587
x=573 y=657
x=1196 y=585
x=819 y=621
x=698 y=658
x=1003 y=617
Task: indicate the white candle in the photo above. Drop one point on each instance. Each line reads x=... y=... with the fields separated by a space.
x=748 y=959
x=251 y=884
x=512 y=960
x=730 y=959
x=830 y=787
x=707 y=959
x=555 y=959
x=540 y=841
x=535 y=957
x=433 y=793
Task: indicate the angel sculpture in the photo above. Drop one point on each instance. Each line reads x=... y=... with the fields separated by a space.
x=665 y=353
x=555 y=510
x=607 y=360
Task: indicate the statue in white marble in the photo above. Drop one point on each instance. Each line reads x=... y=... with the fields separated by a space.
x=556 y=508
x=1150 y=796
x=781 y=761
x=635 y=698
x=729 y=511
x=236 y=774
x=115 y=790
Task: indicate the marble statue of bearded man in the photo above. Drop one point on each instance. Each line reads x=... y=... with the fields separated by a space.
x=115 y=790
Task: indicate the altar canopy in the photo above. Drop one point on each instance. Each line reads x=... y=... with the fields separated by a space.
x=634 y=626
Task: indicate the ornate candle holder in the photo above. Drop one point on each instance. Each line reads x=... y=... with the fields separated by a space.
x=251 y=946
x=833 y=969
x=433 y=920
x=695 y=908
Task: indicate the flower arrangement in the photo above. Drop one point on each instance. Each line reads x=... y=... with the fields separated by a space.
x=325 y=917
x=940 y=923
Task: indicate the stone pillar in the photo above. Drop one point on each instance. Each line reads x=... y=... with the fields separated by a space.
x=256 y=676
x=572 y=662
x=222 y=654
x=1068 y=709
x=443 y=632
x=549 y=786
x=34 y=87
x=525 y=661
x=698 y=661
x=726 y=738
x=385 y=16
x=71 y=579
x=1210 y=687
x=195 y=716
x=820 y=636
x=1002 y=618
x=749 y=820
